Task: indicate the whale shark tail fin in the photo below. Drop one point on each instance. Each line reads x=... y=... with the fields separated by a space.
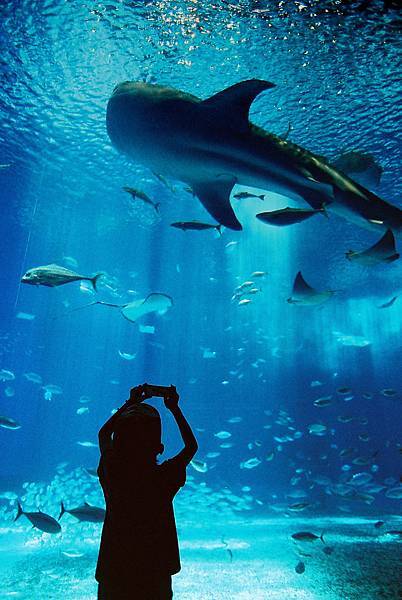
x=215 y=197
x=234 y=102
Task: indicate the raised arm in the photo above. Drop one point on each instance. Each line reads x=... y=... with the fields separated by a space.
x=190 y=443
x=105 y=432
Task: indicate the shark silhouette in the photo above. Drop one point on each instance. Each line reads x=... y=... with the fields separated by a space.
x=211 y=145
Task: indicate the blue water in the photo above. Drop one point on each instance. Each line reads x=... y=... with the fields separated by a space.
x=337 y=72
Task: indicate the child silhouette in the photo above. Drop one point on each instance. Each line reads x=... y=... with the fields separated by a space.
x=139 y=550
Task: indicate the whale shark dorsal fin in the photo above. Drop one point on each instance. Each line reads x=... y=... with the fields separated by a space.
x=215 y=197
x=234 y=102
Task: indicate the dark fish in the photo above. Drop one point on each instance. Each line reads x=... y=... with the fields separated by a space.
x=288 y=216
x=328 y=550
x=363 y=167
x=306 y=536
x=142 y=196
x=40 y=520
x=86 y=512
x=383 y=251
x=304 y=294
x=379 y=524
x=195 y=226
x=54 y=275
x=389 y=303
x=300 y=567
x=244 y=195
x=343 y=390
x=9 y=423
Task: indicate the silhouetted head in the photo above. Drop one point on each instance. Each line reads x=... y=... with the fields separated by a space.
x=137 y=434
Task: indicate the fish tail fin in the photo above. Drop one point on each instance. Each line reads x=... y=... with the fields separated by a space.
x=262 y=197
x=219 y=229
x=322 y=538
x=392 y=258
x=62 y=511
x=349 y=254
x=157 y=205
x=19 y=511
x=94 y=280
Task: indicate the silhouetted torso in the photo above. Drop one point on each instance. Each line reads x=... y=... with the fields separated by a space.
x=139 y=533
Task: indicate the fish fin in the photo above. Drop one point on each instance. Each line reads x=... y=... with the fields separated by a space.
x=261 y=197
x=62 y=511
x=157 y=205
x=19 y=511
x=392 y=258
x=385 y=244
x=94 y=280
x=322 y=538
x=215 y=197
x=300 y=284
x=234 y=102
x=219 y=229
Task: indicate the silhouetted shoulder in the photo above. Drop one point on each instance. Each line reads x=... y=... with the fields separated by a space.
x=173 y=473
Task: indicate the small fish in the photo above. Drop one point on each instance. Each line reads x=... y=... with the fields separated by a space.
x=328 y=550
x=126 y=355
x=383 y=251
x=142 y=196
x=195 y=226
x=34 y=377
x=85 y=512
x=300 y=567
x=379 y=524
x=40 y=520
x=82 y=410
x=389 y=392
x=317 y=429
x=343 y=390
x=25 y=316
x=53 y=275
x=6 y=375
x=395 y=492
x=258 y=274
x=9 y=423
x=324 y=401
x=9 y=391
x=288 y=216
x=235 y=419
x=223 y=435
x=298 y=506
x=389 y=303
x=199 y=465
x=306 y=536
x=244 y=195
x=72 y=553
x=244 y=302
x=251 y=463
x=87 y=444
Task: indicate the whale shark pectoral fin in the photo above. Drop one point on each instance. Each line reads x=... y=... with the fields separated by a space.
x=234 y=102
x=215 y=197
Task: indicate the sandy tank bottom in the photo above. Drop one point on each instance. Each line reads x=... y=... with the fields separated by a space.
x=230 y=558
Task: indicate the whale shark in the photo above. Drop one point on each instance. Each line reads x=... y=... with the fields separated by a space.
x=211 y=145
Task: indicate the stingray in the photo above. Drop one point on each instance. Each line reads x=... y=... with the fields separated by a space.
x=304 y=295
x=383 y=251
x=155 y=302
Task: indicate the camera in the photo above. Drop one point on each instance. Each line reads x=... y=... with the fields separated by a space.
x=156 y=390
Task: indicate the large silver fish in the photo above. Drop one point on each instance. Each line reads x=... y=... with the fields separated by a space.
x=54 y=275
x=211 y=145
x=86 y=512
